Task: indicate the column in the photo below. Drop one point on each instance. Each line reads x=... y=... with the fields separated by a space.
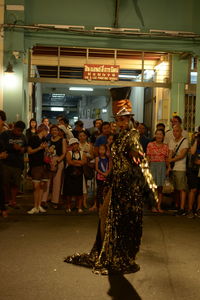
x=197 y=113
x=1 y=53
x=180 y=69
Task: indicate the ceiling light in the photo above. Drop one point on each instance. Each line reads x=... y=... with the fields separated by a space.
x=57 y=109
x=81 y=89
x=58 y=95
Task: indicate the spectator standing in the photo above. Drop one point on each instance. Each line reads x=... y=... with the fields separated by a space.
x=96 y=130
x=113 y=128
x=86 y=148
x=3 y=125
x=59 y=146
x=64 y=125
x=157 y=153
x=177 y=158
x=110 y=141
x=102 y=139
x=78 y=128
x=159 y=126
x=39 y=173
x=45 y=121
x=194 y=178
x=176 y=120
x=73 y=175
x=144 y=140
x=15 y=145
x=32 y=130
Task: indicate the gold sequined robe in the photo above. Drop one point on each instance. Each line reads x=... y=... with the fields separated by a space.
x=120 y=225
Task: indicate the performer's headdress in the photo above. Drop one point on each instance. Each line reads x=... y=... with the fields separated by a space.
x=121 y=105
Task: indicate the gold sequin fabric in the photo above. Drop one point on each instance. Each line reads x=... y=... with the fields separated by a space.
x=120 y=226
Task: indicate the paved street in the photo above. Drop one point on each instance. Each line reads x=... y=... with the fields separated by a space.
x=33 y=248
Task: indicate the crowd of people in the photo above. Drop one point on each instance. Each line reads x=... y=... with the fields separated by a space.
x=61 y=160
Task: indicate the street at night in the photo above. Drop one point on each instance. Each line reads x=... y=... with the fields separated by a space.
x=33 y=249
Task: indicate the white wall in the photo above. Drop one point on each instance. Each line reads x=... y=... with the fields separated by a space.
x=91 y=108
x=137 y=99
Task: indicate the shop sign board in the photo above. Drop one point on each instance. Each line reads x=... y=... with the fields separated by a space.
x=101 y=72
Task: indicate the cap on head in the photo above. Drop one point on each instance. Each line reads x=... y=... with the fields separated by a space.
x=63 y=128
x=73 y=141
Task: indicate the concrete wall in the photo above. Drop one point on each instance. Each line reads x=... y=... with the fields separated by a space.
x=155 y=14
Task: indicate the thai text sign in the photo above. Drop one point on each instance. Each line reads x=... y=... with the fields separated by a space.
x=101 y=72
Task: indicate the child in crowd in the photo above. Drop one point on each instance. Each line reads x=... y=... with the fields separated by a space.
x=73 y=175
x=86 y=148
x=103 y=167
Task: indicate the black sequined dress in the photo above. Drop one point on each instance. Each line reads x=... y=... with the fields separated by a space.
x=120 y=226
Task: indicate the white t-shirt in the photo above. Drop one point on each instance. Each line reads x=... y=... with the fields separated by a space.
x=169 y=136
x=180 y=165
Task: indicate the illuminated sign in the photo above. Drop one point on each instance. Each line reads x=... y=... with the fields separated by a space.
x=101 y=72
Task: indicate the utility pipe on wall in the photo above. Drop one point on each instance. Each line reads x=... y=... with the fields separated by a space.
x=116 y=22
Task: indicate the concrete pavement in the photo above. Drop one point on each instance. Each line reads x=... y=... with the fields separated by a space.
x=32 y=250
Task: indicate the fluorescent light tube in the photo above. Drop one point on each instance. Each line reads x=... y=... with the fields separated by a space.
x=127 y=76
x=57 y=109
x=81 y=89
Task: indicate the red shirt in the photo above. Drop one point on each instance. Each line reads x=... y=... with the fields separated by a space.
x=157 y=153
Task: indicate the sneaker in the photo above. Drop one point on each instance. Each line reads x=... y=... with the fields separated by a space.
x=190 y=214
x=80 y=211
x=197 y=213
x=68 y=210
x=34 y=210
x=41 y=209
x=180 y=212
x=44 y=205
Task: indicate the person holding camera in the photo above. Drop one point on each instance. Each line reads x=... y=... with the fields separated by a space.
x=177 y=158
x=194 y=178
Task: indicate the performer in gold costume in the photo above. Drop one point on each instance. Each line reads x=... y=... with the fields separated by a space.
x=130 y=182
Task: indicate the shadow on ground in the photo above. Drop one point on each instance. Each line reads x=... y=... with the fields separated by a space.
x=120 y=289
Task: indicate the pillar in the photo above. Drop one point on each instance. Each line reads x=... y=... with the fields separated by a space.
x=180 y=69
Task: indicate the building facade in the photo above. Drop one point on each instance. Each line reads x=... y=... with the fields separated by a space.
x=156 y=45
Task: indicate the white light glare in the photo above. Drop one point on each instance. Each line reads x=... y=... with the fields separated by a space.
x=127 y=76
x=149 y=74
x=193 y=74
x=81 y=89
x=104 y=110
x=10 y=80
x=57 y=109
